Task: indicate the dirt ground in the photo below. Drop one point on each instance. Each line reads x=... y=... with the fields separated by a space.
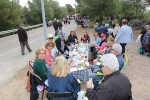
x=137 y=70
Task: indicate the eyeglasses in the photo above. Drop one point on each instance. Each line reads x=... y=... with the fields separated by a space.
x=41 y=53
x=108 y=46
x=101 y=66
x=50 y=38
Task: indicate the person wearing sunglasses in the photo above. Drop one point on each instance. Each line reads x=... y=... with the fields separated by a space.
x=54 y=51
x=115 y=86
x=48 y=57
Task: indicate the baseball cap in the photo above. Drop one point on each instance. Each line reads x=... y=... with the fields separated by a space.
x=103 y=35
x=49 y=35
x=62 y=34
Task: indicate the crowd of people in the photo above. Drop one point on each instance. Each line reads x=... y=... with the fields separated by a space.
x=51 y=63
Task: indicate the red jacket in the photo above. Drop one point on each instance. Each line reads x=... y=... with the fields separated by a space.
x=48 y=58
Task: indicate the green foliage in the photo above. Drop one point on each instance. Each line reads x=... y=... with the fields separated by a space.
x=9 y=14
x=70 y=9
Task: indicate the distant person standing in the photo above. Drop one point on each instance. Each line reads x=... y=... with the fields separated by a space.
x=23 y=39
x=55 y=25
x=124 y=35
x=60 y=25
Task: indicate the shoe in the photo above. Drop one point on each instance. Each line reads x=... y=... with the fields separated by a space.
x=30 y=51
x=23 y=54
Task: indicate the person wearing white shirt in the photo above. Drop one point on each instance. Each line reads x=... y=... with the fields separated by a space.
x=116 y=29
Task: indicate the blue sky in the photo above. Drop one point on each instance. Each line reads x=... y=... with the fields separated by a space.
x=61 y=2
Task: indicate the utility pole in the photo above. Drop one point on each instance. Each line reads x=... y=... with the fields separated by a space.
x=44 y=23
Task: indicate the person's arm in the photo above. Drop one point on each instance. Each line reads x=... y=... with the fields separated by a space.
x=102 y=93
x=66 y=47
x=25 y=33
x=48 y=58
x=58 y=45
x=118 y=35
x=75 y=85
x=41 y=68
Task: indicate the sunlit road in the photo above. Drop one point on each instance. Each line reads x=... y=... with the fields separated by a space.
x=11 y=59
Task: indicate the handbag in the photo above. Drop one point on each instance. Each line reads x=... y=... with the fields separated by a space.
x=28 y=87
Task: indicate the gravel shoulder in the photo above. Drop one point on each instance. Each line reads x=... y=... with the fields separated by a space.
x=137 y=70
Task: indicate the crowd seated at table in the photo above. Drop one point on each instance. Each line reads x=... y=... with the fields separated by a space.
x=51 y=63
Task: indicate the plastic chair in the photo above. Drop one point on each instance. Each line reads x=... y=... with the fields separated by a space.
x=44 y=86
x=59 y=94
x=125 y=61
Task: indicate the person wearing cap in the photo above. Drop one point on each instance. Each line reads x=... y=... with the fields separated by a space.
x=115 y=86
x=48 y=57
x=117 y=51
x=124 y=35
x=61 y=44
x=100 y=46
x=54 y=51
x=23 y=39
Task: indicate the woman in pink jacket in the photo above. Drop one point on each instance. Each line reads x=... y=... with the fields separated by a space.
x=48 y=58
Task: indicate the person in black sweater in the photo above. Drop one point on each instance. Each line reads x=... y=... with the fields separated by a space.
x=72 y=38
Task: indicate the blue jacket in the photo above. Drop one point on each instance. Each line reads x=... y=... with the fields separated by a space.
x=63 y=84
x=104 y=30
x=124 y=35
x=120 y=61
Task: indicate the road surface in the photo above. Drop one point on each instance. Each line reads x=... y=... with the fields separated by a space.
x=11 y=59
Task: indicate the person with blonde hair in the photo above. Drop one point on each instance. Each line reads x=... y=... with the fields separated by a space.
x=61 y=80
x=39 y=66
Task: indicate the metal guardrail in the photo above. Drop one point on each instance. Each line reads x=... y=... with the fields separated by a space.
x=15 y=30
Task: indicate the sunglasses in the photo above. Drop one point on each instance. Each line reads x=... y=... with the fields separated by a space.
x=50 y=45
x=50 y=38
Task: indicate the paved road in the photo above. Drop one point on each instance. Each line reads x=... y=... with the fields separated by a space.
x=11 y=59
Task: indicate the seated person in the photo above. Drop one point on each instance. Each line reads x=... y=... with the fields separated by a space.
x=111 y=39
x=100 y=46
x=117 y=51
x=58 y=35
x=116 y=85
x=39 y=66
x=96 y=42
x=72 y=38
x=61 y=44
x=104 y=29
x=61 y=80
x=48 y=58
x=85 y=38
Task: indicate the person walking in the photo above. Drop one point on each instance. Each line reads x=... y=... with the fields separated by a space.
x=55 y=25
x=23 y=39
x=124 y=35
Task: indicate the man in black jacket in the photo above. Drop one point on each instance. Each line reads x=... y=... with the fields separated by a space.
x=61 y=44
x=23 y=38
x=115 y=86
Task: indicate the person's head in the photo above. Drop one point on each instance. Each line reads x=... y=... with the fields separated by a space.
x=22 y=25
x=58 y=32
x=40 y=53
x=116 y=49
x=117 y=25
x=50 y=37
x=103 y=36
x=49 y=45
x=55 y=19
x=109 y=64
x=109 y=45
x=124 y=21
x=95 y=34
x=147 y=27
x=103 y=24
x=72 y=32
x=85 y=32
x=62 y=35
x=60 y=68
x=113 y=23
x=111 y=39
